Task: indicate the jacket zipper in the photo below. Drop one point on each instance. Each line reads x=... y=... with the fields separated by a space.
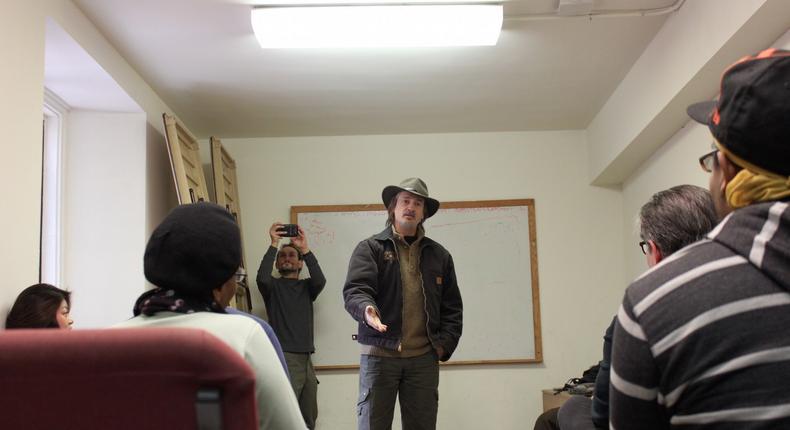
x=397 y=258
x=425 y=303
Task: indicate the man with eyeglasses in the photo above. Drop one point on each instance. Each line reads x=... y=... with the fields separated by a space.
x=670 y=220
x=289 y=306
x=702 y=341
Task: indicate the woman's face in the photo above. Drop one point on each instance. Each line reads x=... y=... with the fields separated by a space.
x=63 y=318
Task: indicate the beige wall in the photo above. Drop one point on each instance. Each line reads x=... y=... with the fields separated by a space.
x=160 y=189
x=674 y=163
x=681 y=65
x=22 y=30
x=585 y=242
x=21 y=84
x=579 y=233
x=104 y=215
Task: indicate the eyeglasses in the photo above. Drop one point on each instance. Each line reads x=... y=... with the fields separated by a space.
x=644 y=246
x=241 y=276
x=707 y=161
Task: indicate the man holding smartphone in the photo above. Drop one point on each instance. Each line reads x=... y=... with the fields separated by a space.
x=289 y=305
x=401 y=288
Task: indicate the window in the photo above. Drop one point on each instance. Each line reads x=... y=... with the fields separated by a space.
x=55 y=113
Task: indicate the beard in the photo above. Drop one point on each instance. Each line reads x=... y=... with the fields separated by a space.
x=407 y=224
x=408 y=227
x=287 y=270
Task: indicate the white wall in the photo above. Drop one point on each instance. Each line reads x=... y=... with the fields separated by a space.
x=579 y=233
x=104 y=215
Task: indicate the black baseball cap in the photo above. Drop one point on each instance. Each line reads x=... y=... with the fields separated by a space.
x=750 y=118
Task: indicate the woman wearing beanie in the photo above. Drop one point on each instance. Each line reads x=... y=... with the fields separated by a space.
x=192 y=258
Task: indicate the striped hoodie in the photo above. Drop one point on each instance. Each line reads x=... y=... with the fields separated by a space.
x=702 y=340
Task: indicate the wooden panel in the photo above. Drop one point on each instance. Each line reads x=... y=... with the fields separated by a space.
x=184 y=152
x=226 y=194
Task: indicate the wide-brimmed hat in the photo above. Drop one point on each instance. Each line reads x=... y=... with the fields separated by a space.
x=415 y=186
x=196 y=249
x=751 y=116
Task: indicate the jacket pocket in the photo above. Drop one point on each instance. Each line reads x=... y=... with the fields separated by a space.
x=434 y=286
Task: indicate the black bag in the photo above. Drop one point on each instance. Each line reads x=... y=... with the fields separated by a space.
x=590 y=374
x=584 y=385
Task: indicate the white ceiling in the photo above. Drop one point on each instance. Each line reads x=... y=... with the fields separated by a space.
x=202 y=58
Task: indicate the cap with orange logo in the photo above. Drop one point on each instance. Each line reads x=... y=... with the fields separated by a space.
x=750 y=117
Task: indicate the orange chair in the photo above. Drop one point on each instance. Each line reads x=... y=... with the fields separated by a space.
x=151 y=378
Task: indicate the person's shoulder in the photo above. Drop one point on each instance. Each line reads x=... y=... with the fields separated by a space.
x=427 y=242
x=158 y=319
x=375 y=241
x=235 y=320
x=233 y=311
x=260 y=321
x=381 y=236
x=238 y=327
x=233 y=329
x=131 y=322
x=678 y=268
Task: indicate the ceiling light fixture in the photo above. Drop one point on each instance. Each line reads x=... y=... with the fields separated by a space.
x=361 y=26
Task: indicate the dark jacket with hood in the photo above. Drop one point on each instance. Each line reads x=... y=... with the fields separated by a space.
x=702 y=340
x=374 y=279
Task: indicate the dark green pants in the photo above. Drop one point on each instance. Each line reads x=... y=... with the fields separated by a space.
x=415 y=381
x=305 y=385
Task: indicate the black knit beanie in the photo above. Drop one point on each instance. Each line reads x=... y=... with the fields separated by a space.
x=196 y=249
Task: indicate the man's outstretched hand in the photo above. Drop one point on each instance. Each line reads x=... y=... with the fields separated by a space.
x=373 y=320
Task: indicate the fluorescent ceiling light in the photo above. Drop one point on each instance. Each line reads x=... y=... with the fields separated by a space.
x=414 y=25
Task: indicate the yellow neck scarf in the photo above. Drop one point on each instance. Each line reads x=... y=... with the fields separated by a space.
x=753 y=184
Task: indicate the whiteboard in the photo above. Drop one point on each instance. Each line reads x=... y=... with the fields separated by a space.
x=494 y=249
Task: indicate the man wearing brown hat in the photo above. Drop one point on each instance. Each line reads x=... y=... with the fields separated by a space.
x=702 y=340
x=401 y=288
x=192 y=258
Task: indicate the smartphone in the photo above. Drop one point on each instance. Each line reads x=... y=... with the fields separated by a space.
x=289 y=230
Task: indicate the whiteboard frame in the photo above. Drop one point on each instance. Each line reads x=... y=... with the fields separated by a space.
x=533 y=256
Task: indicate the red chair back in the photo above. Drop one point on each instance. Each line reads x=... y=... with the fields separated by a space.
x=146 y=378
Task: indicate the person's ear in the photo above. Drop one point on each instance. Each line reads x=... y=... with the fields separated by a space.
x=225 y=292
x=655 y=253
x=728 y=168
